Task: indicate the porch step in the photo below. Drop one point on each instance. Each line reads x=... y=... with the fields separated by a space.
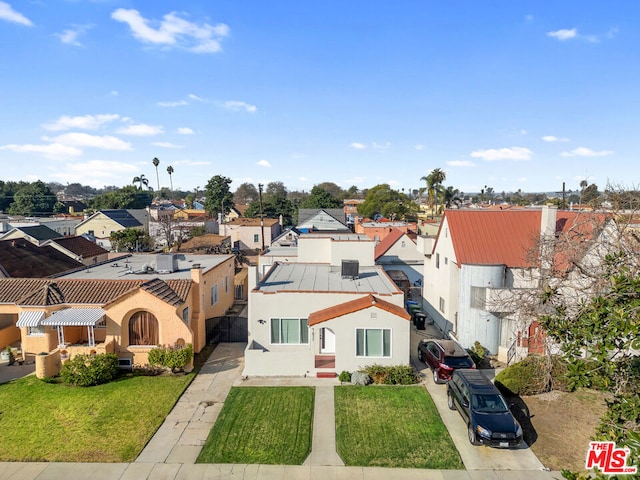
x=326 y=374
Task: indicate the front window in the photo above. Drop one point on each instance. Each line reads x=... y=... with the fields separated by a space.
x=143 y=329
x=292 y=331
x=373 y=342
x=256 y=238
x=214 y=294
x=35 y=331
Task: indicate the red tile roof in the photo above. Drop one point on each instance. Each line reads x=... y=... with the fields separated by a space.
x=355 y=306
x=507 y=237
x=387 y=242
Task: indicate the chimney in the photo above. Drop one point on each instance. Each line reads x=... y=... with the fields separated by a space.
x=548 y=220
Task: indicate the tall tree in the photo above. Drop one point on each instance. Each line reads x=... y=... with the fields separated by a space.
x=321 y=198
x=142 y=180
x=383 y=200
x=218 y=196
x=434 y=185
x=170 y=172
x=156 y=162
x=245 y=194
x=334 y=190
x=125 y=197
x=451 y=196
x=33 y=199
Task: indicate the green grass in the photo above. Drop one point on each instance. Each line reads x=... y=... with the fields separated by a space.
x=390 y=426
x=107 y=423
x=268 y=425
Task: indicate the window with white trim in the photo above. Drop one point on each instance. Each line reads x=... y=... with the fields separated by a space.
x=290 y=331
x=373 y=342
x=36 y=331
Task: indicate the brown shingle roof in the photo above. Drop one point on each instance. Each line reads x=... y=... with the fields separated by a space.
x=80 y=246
x=21 y=258
x=355 y=306
x=252 y=222
x=41 y=292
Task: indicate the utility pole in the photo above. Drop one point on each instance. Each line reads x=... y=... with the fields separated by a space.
x=261 y=215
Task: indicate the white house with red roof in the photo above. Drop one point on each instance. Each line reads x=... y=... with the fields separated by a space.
x=480 y=258
x=398 y=251
x=331 y=310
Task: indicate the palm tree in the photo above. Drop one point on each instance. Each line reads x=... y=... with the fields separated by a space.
x=434 y=185
x=451 y=196
x=583 y=184
x=170 y=172
x=142 y=180
x=156 y=162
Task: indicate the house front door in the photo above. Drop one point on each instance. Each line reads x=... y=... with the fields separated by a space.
x=327 y=341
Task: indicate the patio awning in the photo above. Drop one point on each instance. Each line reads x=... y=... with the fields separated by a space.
x=29 y=319
x=69 y=317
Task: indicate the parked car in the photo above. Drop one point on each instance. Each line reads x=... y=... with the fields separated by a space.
x=443 y=357
x=489 y=420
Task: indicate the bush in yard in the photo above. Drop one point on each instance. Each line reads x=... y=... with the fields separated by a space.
x=344 y=377
x=528 y=377
x=88 y=370
x=479 y=355
x=392 y=375
x=175 y=358
x=360 y=378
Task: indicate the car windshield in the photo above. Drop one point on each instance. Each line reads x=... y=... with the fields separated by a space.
x=488 y=403
x=458 y=362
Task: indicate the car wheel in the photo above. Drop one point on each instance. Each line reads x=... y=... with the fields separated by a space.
x=436 y=379
x=472 y=435
x=452 y=405
x=420 y=355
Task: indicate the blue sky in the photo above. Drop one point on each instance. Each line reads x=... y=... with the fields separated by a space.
x=508 y=94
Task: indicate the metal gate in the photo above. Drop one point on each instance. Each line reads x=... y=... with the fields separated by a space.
x=229 y=328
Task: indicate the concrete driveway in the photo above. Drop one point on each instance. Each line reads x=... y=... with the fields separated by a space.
x=8 y=373
x=473 y=457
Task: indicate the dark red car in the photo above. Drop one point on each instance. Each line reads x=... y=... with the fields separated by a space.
x=443 y=357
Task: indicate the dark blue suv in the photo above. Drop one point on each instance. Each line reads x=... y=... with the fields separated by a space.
x=489 y=420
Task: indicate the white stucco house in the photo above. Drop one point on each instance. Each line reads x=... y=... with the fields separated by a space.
x=331 y=310
x=398 y=251
x=482 y=261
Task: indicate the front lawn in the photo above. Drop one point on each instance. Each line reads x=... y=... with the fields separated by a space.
x=391 y=426
x=268 y=425
x=107 y=423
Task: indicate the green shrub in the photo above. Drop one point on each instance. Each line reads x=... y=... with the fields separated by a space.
x=533 y=375
x=391 y=375
x=88 y=370
x=479 y=355
x=344 y=377
x=175 y=358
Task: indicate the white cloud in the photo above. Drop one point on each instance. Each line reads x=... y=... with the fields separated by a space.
x=523 y=131
x=303 y=179
x=52 y=150
x=166 y=145
x=460 y=163
x=358 y=146
x=236 y=106
x=96 y=173
x=263 y=163
x=381 y=146
x=185 y=131
x=178 y=103
x=85 y=122
x=528 y=18
x=174 y=31
x=586 y=152
x=196 y=98
x=298 y=156
x=551 y=138
x=141 y=130
x=563 y=34
x=79 y=139
x=419 y=147
x=70 y=36
x=10 y=15
x=114 y=93
x=513 y=153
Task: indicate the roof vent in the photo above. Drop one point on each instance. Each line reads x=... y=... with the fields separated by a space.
x=350 y=269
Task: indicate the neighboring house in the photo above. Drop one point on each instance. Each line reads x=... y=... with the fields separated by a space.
x=80 y=249
x=322 y=220
x=479 y=259
x=21 y=258
x=247 y=233
x=236 y=211
x=126 y=307
x=351 y=209
x=190 y=214
x=73 y=206
x=283 y=249
x=178 y=229
x=331 y=311
x=102 y=224
x=399 y=252
x=205 y=243
x=378 y=231
x=36 y=234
